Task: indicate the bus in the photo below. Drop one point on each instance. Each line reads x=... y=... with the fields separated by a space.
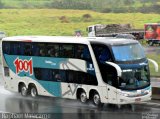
x=100 y=69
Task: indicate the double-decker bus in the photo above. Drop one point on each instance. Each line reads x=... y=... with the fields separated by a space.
x=104 y=70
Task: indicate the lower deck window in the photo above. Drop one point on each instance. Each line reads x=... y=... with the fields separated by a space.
x=68 y=76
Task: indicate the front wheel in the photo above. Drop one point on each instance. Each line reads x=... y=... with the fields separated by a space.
x=33 y=92
x=96 y=99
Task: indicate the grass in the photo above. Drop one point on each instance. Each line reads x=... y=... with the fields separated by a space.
x=47 y=22
x=156 y=57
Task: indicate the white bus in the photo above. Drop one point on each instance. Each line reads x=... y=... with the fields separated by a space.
x=104 y=70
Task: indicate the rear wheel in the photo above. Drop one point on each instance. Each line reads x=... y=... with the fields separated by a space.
x=23 y=90
x=33 y=92
x=83 y=97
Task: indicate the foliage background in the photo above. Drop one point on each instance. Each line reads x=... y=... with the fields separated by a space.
x=112 y=6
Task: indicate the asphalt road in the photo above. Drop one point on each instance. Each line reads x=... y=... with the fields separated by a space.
x=61 y=108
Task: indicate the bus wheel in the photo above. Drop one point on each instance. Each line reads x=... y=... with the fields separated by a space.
x=96 y=99
x=23 y=90
x=83 y=97
x=150 y=43
x=33 y=92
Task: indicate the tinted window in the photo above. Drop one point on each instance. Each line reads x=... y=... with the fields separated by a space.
x=53 y=50
x=27 y=48
x=67 y=51
x=50 y=74
x=6 y=47
x=65 y=76
x=81 y=78
x=102 y=53
x=77 y=51
x=82 y=52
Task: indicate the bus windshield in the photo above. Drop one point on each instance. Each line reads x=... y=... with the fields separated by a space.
x=128 y=52
x=135 y=78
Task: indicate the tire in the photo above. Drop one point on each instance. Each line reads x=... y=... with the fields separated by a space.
x=83 y=97
x=33 y=92
x=150 y=43
x=96 y=99
x=23 y=90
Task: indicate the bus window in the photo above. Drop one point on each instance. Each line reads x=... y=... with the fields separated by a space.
x=35 y=50
x=67 y=51
x=102 y=53
x=28 y=49
x=53 y=50
x=82 y=52
x=59 y=75
x=81 y=78
x=6 y=47
x=86 y=53
x=46 y=74
x=14 y=48
x=72 y=76
x=21 y=48
x=50 y=74
x=42 y=49
x=79 y=51
x=43 y=74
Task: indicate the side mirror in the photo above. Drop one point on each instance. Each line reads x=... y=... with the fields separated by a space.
x=119 y=71
x=155 y=64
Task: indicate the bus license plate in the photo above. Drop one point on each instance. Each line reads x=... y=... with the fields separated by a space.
x=138 y=99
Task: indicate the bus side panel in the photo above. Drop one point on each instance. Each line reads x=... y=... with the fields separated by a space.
x=13 y=81
x=22 y=68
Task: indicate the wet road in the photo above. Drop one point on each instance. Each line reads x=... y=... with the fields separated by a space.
x=62 y=108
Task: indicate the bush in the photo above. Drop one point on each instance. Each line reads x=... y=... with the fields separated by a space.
x=87 y=17
x=63 y=19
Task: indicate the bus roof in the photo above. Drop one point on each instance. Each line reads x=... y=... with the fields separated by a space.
x=71 y=39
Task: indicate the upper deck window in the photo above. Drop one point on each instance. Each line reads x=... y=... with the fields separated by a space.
x=41 y=49
x=128 y=52
x=102 y=52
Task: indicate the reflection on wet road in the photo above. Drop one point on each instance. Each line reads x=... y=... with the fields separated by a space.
x=15 y=103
